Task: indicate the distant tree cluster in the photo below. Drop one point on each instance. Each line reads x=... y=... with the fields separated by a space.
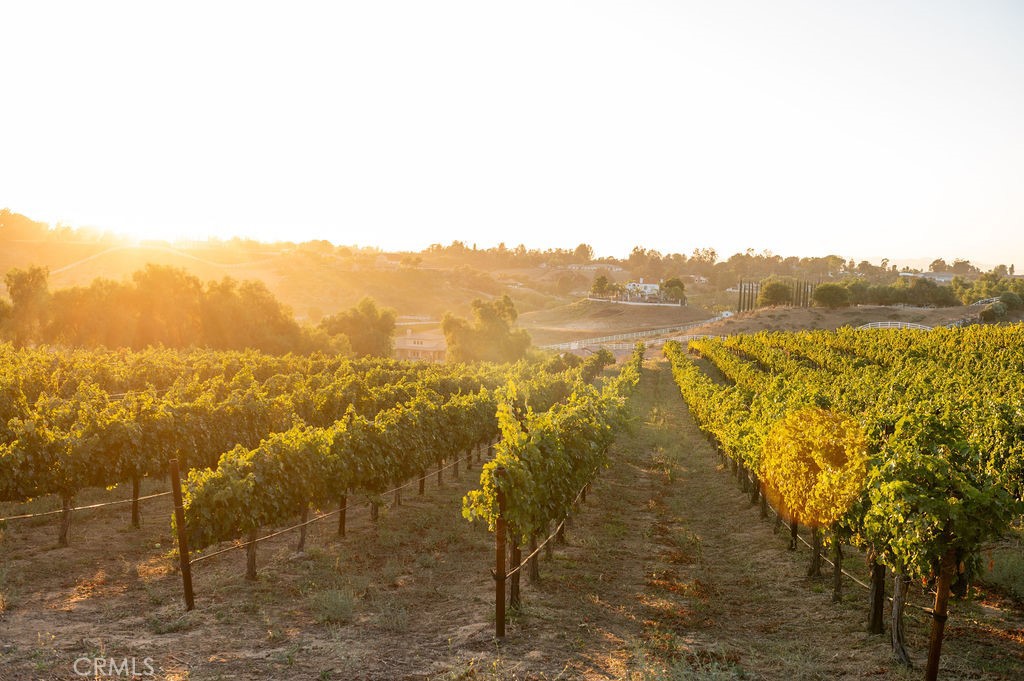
x=989 y=285
x=17 y=227
x=653 y=265
x=489 y=336
x=959 y=267
x=370 y=330
x=518 y=256
x=916 y=291
x=157 y=306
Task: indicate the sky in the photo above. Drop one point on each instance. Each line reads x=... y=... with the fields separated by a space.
x=865 y=129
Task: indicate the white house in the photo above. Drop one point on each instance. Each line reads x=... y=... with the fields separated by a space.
x=937 y=277
x=427 y=347
x=639 y=288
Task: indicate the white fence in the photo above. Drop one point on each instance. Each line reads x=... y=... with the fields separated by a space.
x=617 y=347
x=633 y=302
x=895 y=325
x=609 y=341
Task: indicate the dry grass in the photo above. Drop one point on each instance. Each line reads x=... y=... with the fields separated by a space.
x=588 y=319
x=798 y=319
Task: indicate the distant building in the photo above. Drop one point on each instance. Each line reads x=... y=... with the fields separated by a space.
x=937 y=277
x=428 y=346
x=595 y=267
x=639 y=288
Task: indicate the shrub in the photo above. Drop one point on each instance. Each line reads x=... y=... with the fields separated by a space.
x=774 y=293
x=831 y=296
x=993 y=312
x=1011 y=300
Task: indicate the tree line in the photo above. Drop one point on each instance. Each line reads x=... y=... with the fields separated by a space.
x=157 y=306
x=916 y=291
x=166 y=306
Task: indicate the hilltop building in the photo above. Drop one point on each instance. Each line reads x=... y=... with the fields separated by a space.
x=641 y=290
x=427 y=346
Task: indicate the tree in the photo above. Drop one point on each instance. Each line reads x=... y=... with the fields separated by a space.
x=674 y=289
x=600 y=287
x=268 y=325
x=368 y=328
x=938 y=265
x=963 y=267
x=831 y=296
x=17 y=227
x=1011 y=300
x=30 y=298
x=583 y=253
x=168 y=302
x=489 y=337
x=774 y=293
x=103 y=313
x=702 y=261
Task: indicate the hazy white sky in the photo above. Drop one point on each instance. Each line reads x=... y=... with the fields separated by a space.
x=865 y=129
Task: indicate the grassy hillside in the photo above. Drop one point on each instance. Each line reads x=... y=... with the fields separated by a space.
x=313 y=279
x=795 y=319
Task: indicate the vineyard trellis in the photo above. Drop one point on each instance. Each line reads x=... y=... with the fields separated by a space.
x=186 y=560
x=938 y=409
x=542 y=466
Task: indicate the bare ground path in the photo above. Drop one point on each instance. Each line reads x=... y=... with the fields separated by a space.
x=673 y=575
x=667 y=574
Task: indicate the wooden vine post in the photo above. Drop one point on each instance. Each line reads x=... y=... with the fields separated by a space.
x=514 y=599
x=136 y=518
x=534 y=563
x=301 y=546
x=65 y=519
x=837 y=569
x=342 y=508
x=899 y=601
x=179 y=521
x=250 y=555
x=876 y=601
x=499 y=559
x=947 y=568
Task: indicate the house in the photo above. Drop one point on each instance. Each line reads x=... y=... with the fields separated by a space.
x=640 y=289
x=595 y=267
x=937 y=277
x=428 y=346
